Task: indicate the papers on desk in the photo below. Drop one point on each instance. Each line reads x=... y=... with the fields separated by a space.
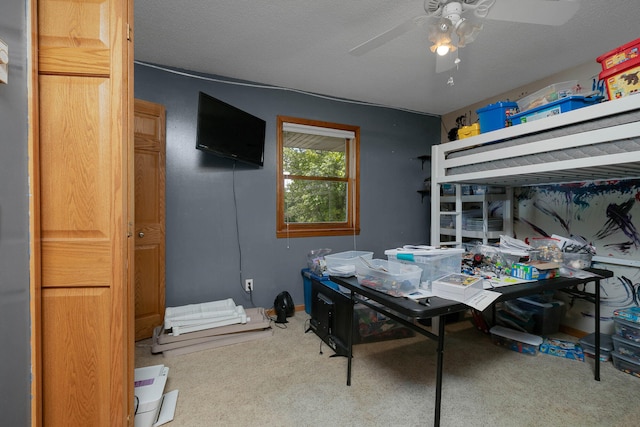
x=497 y=282
x=482 y=299
x=479 y=301
x=419 y=294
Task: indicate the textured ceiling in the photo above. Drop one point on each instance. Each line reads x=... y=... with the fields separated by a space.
x=304 y=45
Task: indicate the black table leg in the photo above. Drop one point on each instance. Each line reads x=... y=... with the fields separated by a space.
x=597 y=342
x=440 y=351
x=350 y=341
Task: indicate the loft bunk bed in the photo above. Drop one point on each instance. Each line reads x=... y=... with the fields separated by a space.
x=599 y=142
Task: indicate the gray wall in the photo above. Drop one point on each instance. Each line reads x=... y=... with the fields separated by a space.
x=15 y=365
x=203 y=250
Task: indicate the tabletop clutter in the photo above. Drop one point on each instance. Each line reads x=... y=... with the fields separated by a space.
x=525 y=324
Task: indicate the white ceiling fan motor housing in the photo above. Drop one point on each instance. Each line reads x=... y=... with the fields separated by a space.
x=452 y=11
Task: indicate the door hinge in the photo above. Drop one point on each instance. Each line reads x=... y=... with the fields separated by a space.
x=129 y=32
x=129 y=229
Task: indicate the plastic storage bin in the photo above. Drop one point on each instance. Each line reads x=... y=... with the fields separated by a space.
x=547 y=315
x=549 y=94
x=622 y=80
x=588 y=343
x=496 y=116
x=521 y=342
x=307 y=275
x=393 y=278
x=620 y=68
x=620 y=55
x=467 y=131
x=626 y=364
x=435 y=263
x=576 y=260
x=344 y=263
x=627 y=348
x=554 y=108
x=631 y=314
x=626 y=329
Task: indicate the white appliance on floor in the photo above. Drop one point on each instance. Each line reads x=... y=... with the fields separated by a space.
x=153 y=407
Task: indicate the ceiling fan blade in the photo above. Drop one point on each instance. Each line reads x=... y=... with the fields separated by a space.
x=544 y=12
x=446 y=62
x=387 y=36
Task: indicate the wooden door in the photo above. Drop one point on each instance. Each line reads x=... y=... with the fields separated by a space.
x=149 y=135
x=81 y=149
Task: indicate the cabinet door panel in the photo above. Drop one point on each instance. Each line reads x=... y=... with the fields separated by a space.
x=76 y=353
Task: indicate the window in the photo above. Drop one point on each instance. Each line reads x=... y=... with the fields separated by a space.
x=318 y=178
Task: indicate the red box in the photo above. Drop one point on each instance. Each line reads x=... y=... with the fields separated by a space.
x=623 y=79
x=619 y=55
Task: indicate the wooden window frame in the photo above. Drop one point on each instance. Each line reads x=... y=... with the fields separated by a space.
x=285 y=229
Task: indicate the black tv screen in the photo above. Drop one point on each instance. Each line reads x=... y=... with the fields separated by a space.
x=229 y=132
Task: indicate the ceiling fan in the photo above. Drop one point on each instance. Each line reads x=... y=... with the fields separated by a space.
x=450 y=27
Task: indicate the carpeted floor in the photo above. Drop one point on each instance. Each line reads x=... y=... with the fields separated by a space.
x=289 y=379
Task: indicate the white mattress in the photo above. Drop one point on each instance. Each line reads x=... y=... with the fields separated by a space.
x=627 y=145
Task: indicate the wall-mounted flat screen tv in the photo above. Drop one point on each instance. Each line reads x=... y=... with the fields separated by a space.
x=229 y=132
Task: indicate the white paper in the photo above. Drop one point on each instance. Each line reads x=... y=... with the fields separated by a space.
x=482 y=299
x=420 y=294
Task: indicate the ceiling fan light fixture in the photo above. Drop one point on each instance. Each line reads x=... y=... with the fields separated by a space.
x=442 y=50
x=440 y=36
x=467 y=32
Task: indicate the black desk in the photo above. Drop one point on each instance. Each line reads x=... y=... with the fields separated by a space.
x=407 y=312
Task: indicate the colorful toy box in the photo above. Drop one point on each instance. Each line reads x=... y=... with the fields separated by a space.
x=467 y=131
x=620 y=55
x=554 y=108
x=631 y=314
x=521 y=342
x=458 y=287
x=621 y=70
x=562 y=348
x=534 y=270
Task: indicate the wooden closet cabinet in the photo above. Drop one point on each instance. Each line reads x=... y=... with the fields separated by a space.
x=81 y=149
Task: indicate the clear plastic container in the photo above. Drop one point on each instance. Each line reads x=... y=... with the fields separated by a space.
x=627 y=348
x=393 y=278
x=576 y=260
x=344 y=263
x=627 y=330
x=626 y=364
x=435 y=263
x=549 y=94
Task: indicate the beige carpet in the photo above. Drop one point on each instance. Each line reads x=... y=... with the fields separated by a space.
x=283 y=380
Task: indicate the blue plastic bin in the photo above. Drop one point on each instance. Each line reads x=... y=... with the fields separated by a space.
x=307 y=275
x=496 y=116
x=554 y=108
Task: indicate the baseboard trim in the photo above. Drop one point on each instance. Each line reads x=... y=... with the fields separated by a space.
x=573 y=331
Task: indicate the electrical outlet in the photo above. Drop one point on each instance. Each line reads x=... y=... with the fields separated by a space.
x=248 y=285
